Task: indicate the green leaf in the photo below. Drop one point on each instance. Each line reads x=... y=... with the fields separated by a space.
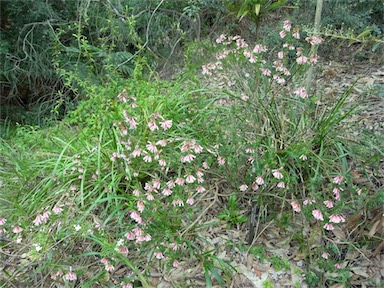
x=223 y=217
x=209 y=267
x=242 y=14
x=242 y=219
x=232 y=202
x=257 y=9
x=367 y=32
x=216 y=275
x=72 y=49
x=208 y=281
x=277 y=4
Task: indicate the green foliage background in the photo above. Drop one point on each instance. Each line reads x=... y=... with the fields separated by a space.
x=45 y=45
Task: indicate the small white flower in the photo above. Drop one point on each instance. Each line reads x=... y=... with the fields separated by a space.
x=120 y=242
x=37 y=247
x=303 y=157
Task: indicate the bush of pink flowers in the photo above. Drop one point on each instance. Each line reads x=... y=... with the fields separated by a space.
x=126 y=200
x=285 y=137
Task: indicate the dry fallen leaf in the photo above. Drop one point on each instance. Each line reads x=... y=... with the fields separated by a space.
x=361 y=271
x=379 y=248
x=257 y=272
x=249 y=261
x=154 y=281
x=181 y=272
x=163 y=284
x=339 y=233
x=340 y=285
x=255 y=279
x=352 y=255
x=374 y=228
x=354 y=220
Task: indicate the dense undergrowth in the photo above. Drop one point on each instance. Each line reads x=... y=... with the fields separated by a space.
x=118 y=193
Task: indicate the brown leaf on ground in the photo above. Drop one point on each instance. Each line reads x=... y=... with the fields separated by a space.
x=339 y=285
x=354 y=220
x=361 y=271
x=339 y=233
x=379 y=248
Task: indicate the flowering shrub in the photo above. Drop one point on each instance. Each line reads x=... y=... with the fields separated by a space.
x=275 y=113
x=284 y=136
x=164 y=175
x=279 y=66
x=124 y=199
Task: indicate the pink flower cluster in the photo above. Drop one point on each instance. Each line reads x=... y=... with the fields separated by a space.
x=259 y=180
x=301 y=92
x=313 y=40
x=69 y=276
x=107 y=265
x=277 y=72
x=333 y=218
x=162 y=189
